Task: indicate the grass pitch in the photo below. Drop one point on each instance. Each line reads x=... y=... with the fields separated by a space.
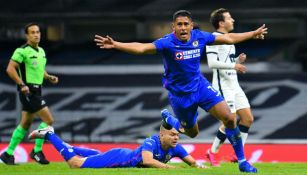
x=226 y=169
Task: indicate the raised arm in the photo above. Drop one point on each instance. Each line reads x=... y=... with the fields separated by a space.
x=133 y=47
x=233 y=38
x=149 y=161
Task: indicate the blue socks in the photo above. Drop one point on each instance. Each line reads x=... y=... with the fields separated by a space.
x=234 y=138
x=85 y=152
x=63 y=148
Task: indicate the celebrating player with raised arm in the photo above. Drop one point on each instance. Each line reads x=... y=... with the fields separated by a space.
x=188 y=89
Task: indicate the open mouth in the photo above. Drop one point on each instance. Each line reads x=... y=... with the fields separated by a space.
x=183 y=34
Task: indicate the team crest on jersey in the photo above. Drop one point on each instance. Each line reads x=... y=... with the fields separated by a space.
x=167 y=158
x=34 y=63
x=195 y=43
x=179 y=56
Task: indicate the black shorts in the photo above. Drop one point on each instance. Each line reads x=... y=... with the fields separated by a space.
x=33 y=101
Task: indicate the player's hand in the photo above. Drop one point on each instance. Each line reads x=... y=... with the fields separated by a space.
x=242 y=58
x=200 y=165
x=104 y=42
x=25 y=89
x=53 y=79
x=240 y=68
x=260 y=32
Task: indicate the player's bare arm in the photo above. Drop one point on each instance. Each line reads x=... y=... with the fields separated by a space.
x=11 y=71
x=241 y=58
x=51 y=78
x=233 y=38
x=133 y=47
x=149 y=161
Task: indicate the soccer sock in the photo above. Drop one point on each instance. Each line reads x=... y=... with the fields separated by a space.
x=85 y=152
x=174 y=122
x=17 y=136
x=39 y=142
x=244 y=133
x=63 y=148
x=234 y=138
x=218 y=141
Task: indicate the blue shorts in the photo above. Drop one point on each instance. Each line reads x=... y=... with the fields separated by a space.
x=114 y=158
x=185 y=106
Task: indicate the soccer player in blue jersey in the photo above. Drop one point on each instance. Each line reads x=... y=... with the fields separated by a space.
x=188 y=89
x=155 y=152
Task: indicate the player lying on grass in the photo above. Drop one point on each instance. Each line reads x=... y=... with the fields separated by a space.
x=155 y=152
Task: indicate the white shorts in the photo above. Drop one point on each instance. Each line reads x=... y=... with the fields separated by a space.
x=236 y=99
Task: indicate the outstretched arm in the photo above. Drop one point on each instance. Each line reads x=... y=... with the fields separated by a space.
x=232 y=38
x=133 y=48
x=149 y=161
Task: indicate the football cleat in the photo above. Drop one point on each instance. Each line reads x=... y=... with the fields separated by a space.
x=7 y=159
x=246 y=167
x=213 y=158
x=166 y=119
x=40 y=133
x=39 y=157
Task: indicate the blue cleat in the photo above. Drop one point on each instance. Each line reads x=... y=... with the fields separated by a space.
x=165 y=119
x=247 y=168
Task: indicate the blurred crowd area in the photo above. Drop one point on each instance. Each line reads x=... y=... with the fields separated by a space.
x=69 y=26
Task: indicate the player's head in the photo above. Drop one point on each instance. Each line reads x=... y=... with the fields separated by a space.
x=33 y=33
x=221 y=19
x=182 y=25
x=168 y=137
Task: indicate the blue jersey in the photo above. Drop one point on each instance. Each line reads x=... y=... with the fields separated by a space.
x=123 y=157
x=182 y=60
x=153 y=145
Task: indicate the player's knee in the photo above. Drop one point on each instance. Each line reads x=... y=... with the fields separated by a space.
x=193 y=134
x=230 y=120
x=74 y=163
x=50 y=121
x=247 y=121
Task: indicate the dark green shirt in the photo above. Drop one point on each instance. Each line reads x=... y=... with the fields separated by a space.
x=32 y=62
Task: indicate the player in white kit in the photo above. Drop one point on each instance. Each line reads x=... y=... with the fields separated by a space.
x=222 y=60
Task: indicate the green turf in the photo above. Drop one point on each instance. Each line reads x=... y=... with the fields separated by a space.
x=225 y=169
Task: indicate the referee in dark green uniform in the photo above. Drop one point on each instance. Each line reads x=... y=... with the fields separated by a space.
x=27 y=69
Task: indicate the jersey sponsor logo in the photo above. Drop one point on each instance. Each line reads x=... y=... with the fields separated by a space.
x=184 y=55
x=179 y=56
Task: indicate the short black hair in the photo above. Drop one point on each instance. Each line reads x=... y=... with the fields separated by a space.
x=184 y=13
x=217 y=16
x=29 y=25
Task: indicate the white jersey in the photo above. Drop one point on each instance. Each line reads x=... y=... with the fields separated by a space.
x=222 y=60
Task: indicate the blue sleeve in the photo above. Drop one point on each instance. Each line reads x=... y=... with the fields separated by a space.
x=160 y=44
x=210 y=38
x=180 y=151
x=148 y=145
